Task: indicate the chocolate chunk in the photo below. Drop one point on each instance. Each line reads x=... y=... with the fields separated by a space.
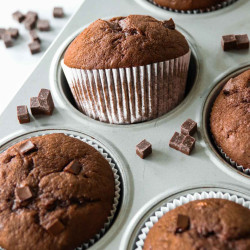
x=58 y=12
x=169 y=24
x=189 y=127
x=35 y=47
x=23 y=193
x=2 y=32
x=73 y=167
x=27 y=147
x=228 y=42
x=31 y=14
x=23 y=114
x=13 y=33
x=143 y=149
x=35 y=106
x=43 y=25
x=18 y=16
x=34 y=36
x=54 y=227
x=30 y=23
x=46 y=101
x=242 y=41
x=7 y=40
x=176 y=141
x=187 y=145
x=183 y=223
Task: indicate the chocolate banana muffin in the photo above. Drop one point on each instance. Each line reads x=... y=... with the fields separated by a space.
x=56 y=192
x=202 y=224
x=230 y=119
x=188 y=5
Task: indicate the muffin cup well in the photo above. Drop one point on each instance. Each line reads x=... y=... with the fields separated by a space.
x=181 y=201
x=197 y=11
x=129 y=95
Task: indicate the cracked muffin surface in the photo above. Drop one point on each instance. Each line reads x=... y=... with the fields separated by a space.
x=213 y=224
x=230 y=119
x=56 y=192
x=120 y=42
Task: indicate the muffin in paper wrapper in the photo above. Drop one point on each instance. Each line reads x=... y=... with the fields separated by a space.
x=129 y=95
x=139 y=243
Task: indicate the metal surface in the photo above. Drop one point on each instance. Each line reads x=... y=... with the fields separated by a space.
x=166 y=170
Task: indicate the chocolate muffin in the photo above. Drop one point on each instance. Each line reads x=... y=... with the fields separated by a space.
x=230 y=119
x=202 y=224
x=56 y=192
x=188 y=5
x=127 y=69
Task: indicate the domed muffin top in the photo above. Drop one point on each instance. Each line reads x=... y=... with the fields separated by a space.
x=56 y=192
x=230 y=119
x=121 y=42
x=202 y=224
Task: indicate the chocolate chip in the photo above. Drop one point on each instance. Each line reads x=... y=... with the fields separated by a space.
x=13 y=33
x=30 y=23
x=228 y=42
x=34 y=36
x=143 y=149
x=73 y=167
x=54 y=227
x=18 y=16
x=2 y=32
x=187 y=145
x=23 y=114
x=34 y=47
x=35 y=106
x=183 y=223
x=46 y=101
x=169 y=24
x=23 y=193
x=189 y=127
x=58 y=12
x=242 y=41
x=43 y=25
x=176 y=141
x=27 y=147
x=32 y=14
x=7 y=40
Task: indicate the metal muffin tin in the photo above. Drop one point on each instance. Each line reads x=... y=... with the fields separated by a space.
x=166 y=171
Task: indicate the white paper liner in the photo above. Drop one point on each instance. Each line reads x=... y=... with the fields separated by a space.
x=197 y=11
x=117 y=178
x=129 y=95
x=181 y=201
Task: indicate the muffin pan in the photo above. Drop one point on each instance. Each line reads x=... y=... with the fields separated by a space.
x=166 y=170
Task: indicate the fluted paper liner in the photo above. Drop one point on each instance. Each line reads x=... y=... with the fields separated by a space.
x=181 y=201
x=129 y=95
x=197 y=11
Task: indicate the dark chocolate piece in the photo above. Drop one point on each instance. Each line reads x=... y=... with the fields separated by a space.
x=23 y=193
x=34 y=36
x=27 y=147
x=73 y=167
x=30 y=23
x=228 y=42
x=242 y=41
x=18 y=16
x=2 y=32
x=176 y=141
x=35 y=47
x=187 y=145
x=54 y=227
x=13 y=33
x=169 y=24
x=46 y=101
x=143 y=149
x=23 y=114
x=189 y=127
x=32 y=14
x=35 y=106
x=43 y=25
x=58 y=12
x=183 y=223
x=7 y=40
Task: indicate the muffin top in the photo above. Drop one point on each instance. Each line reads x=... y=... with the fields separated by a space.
x=188 y=5
x=56 y=192
x=123 y=42
x=230 y=119
x=210 y=224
